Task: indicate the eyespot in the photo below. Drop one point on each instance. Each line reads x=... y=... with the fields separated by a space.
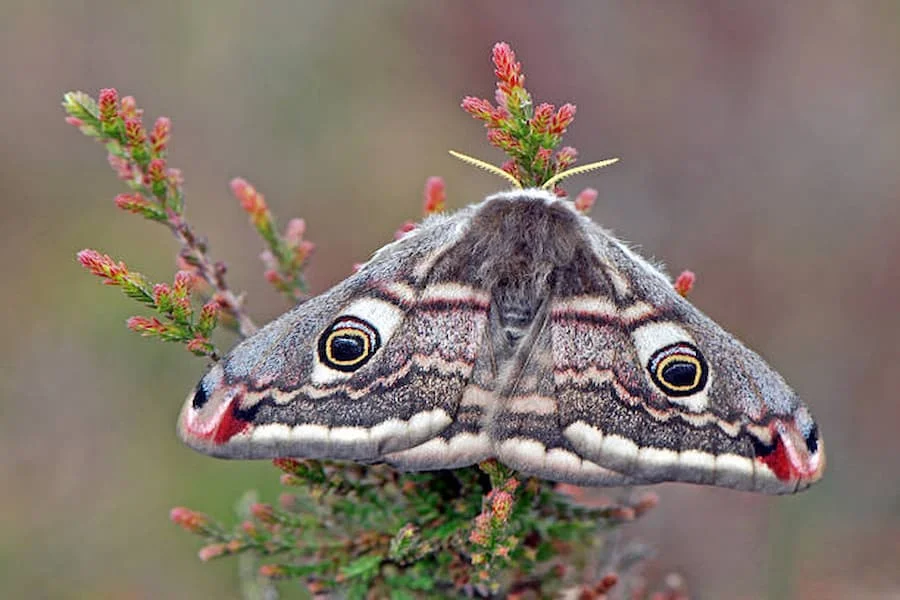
x=348 y=344
x=678 y=369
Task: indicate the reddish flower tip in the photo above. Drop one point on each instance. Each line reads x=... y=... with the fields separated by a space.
x=146 y=325
x=684 y=283
x=74 y=121
x=272 y=571
x=159 y=137
x=435 y=195
x=108 y=104
x=251 y=201
x=263 y=512
x=507 y=69
x=188 y=519
x=102 y=265
x=585 y=200
x=212 y=551
x=562 y=119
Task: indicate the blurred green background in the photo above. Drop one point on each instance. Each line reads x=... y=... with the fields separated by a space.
x=760 y=147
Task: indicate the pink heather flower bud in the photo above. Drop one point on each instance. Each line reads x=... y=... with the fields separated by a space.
x=263 y=512
x=293 y=233
x=209 y=313
x=199 y=346
x=122 y=167
x=74 y=121
x=272 y=571
x=508 y=71
x=134 y=203
x=435 y=195
x=501 y=505
x=183 y=280
x=156 y=170
x=303 y=251
x=404 y=229
x=129 y=109
x=103 y=266
x=540 y=121
x=562 y=119
x=268 y=260
x=288 y=465
x=273 y=277
x=512 y=168
x=606 y=584
x=159 y=137
x=584 y=201
x=188 y=519
x=684 y=283
x=478 y=108
x=212 y=551
x=108 y=105
x=565 y=158
x=511 y=485
x=134 y=132
x=542 y=159
x=176 y=179
x=251 y=201
x=498 y=116
x=146 y=325
x=161 y=294
x=645 y=503
x=478 y=537
x=249 y=528
x=503 y=140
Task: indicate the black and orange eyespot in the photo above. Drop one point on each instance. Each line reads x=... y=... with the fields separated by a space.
x=348 y=344
x=678 y=369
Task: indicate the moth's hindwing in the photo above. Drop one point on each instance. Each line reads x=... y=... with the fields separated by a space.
x=516 y=329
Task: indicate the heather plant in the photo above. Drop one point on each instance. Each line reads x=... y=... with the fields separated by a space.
x=351 y=530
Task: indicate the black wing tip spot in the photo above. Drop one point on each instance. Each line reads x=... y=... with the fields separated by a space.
x=812 y=439
x=760 y=448
x=200 y=398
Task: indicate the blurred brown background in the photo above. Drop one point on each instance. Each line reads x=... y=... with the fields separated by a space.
x=760 y=147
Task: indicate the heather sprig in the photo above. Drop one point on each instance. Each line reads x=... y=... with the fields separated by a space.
x=528 y=134
x=287 y=254
x=156 y=191
x=371 y=532
x=173 y=303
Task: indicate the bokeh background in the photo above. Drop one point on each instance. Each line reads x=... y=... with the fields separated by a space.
x=760 y=145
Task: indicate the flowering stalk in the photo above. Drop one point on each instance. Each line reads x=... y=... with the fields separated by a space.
x=287 y=254
x=173 y=303
x=139 y=159
x=528 y=134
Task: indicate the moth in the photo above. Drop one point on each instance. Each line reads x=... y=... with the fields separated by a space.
x=516 y=328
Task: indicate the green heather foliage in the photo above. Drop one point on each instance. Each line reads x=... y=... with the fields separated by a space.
x=352 y=530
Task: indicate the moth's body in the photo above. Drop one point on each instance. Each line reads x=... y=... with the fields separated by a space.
x=516 y=329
